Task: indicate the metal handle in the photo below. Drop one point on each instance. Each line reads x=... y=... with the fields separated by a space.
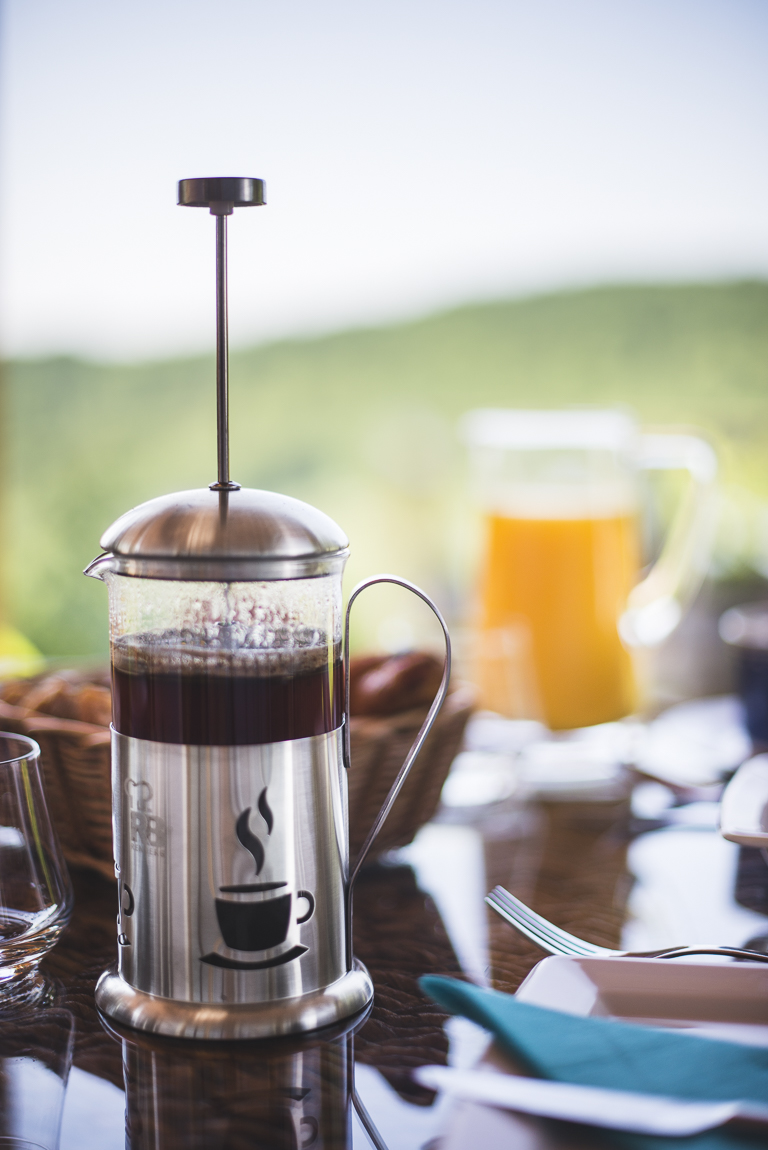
x=366 y=1121
x=418 y=742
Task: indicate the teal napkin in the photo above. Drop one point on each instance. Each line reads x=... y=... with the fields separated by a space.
x=602 y=1052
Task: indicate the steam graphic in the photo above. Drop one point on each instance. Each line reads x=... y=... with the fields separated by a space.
x=249 y=840
x=265 y=811
x=247 y=837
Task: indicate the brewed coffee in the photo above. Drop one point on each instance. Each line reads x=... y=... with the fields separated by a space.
x=171 y=691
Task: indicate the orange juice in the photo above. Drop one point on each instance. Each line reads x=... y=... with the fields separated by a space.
x=563 y=584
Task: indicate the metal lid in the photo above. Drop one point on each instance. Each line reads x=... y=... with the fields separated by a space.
x=223 y=535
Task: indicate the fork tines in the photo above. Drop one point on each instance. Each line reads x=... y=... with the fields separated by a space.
x=544 y=933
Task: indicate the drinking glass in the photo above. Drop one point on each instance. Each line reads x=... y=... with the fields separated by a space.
x=35 y=892
x=35 y=1059
x=561 y=600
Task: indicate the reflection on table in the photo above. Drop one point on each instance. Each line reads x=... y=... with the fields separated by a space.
x=417 y=911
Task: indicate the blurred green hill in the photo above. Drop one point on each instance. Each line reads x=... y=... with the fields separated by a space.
x=361 y=423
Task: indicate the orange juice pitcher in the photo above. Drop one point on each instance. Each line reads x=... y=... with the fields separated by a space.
x=561 y=602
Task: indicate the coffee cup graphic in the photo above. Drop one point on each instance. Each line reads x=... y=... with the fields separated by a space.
x=257 y=919
x=262 y=924
x=259 y=925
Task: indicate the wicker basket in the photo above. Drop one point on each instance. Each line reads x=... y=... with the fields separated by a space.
x=75 y=759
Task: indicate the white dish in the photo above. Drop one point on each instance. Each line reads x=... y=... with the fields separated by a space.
x=728 y=1001
x=744 y=806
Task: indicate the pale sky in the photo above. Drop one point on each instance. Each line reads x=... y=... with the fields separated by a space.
x=417 y=154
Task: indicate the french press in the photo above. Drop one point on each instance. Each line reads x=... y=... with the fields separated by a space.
x=230 y=747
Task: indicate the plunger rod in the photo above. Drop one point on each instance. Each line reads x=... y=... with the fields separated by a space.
x=222 y=352
x=222 y=194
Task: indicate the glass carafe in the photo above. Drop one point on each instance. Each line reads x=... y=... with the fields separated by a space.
x=225 y=663
x=228 y=765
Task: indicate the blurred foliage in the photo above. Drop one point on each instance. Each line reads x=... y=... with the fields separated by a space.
x=363 y=424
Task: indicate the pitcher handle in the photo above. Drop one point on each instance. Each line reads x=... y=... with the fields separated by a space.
x=418 y=742
x=656 y=605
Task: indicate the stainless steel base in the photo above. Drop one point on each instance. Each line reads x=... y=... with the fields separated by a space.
x=135 y=1008
x=217 y=849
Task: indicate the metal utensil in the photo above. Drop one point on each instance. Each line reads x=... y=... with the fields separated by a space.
x=596 y=1106
x=551 y=938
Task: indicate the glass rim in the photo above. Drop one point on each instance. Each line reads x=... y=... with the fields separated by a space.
x=612 y=429
x=33 y=751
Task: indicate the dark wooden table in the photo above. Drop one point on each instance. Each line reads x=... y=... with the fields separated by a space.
x=565 y=858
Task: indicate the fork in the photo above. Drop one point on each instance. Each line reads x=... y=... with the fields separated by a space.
x=550 y=937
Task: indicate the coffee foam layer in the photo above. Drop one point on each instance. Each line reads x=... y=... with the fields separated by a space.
x=177 y=653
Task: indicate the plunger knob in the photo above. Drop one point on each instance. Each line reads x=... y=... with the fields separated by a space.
x=222 y=193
